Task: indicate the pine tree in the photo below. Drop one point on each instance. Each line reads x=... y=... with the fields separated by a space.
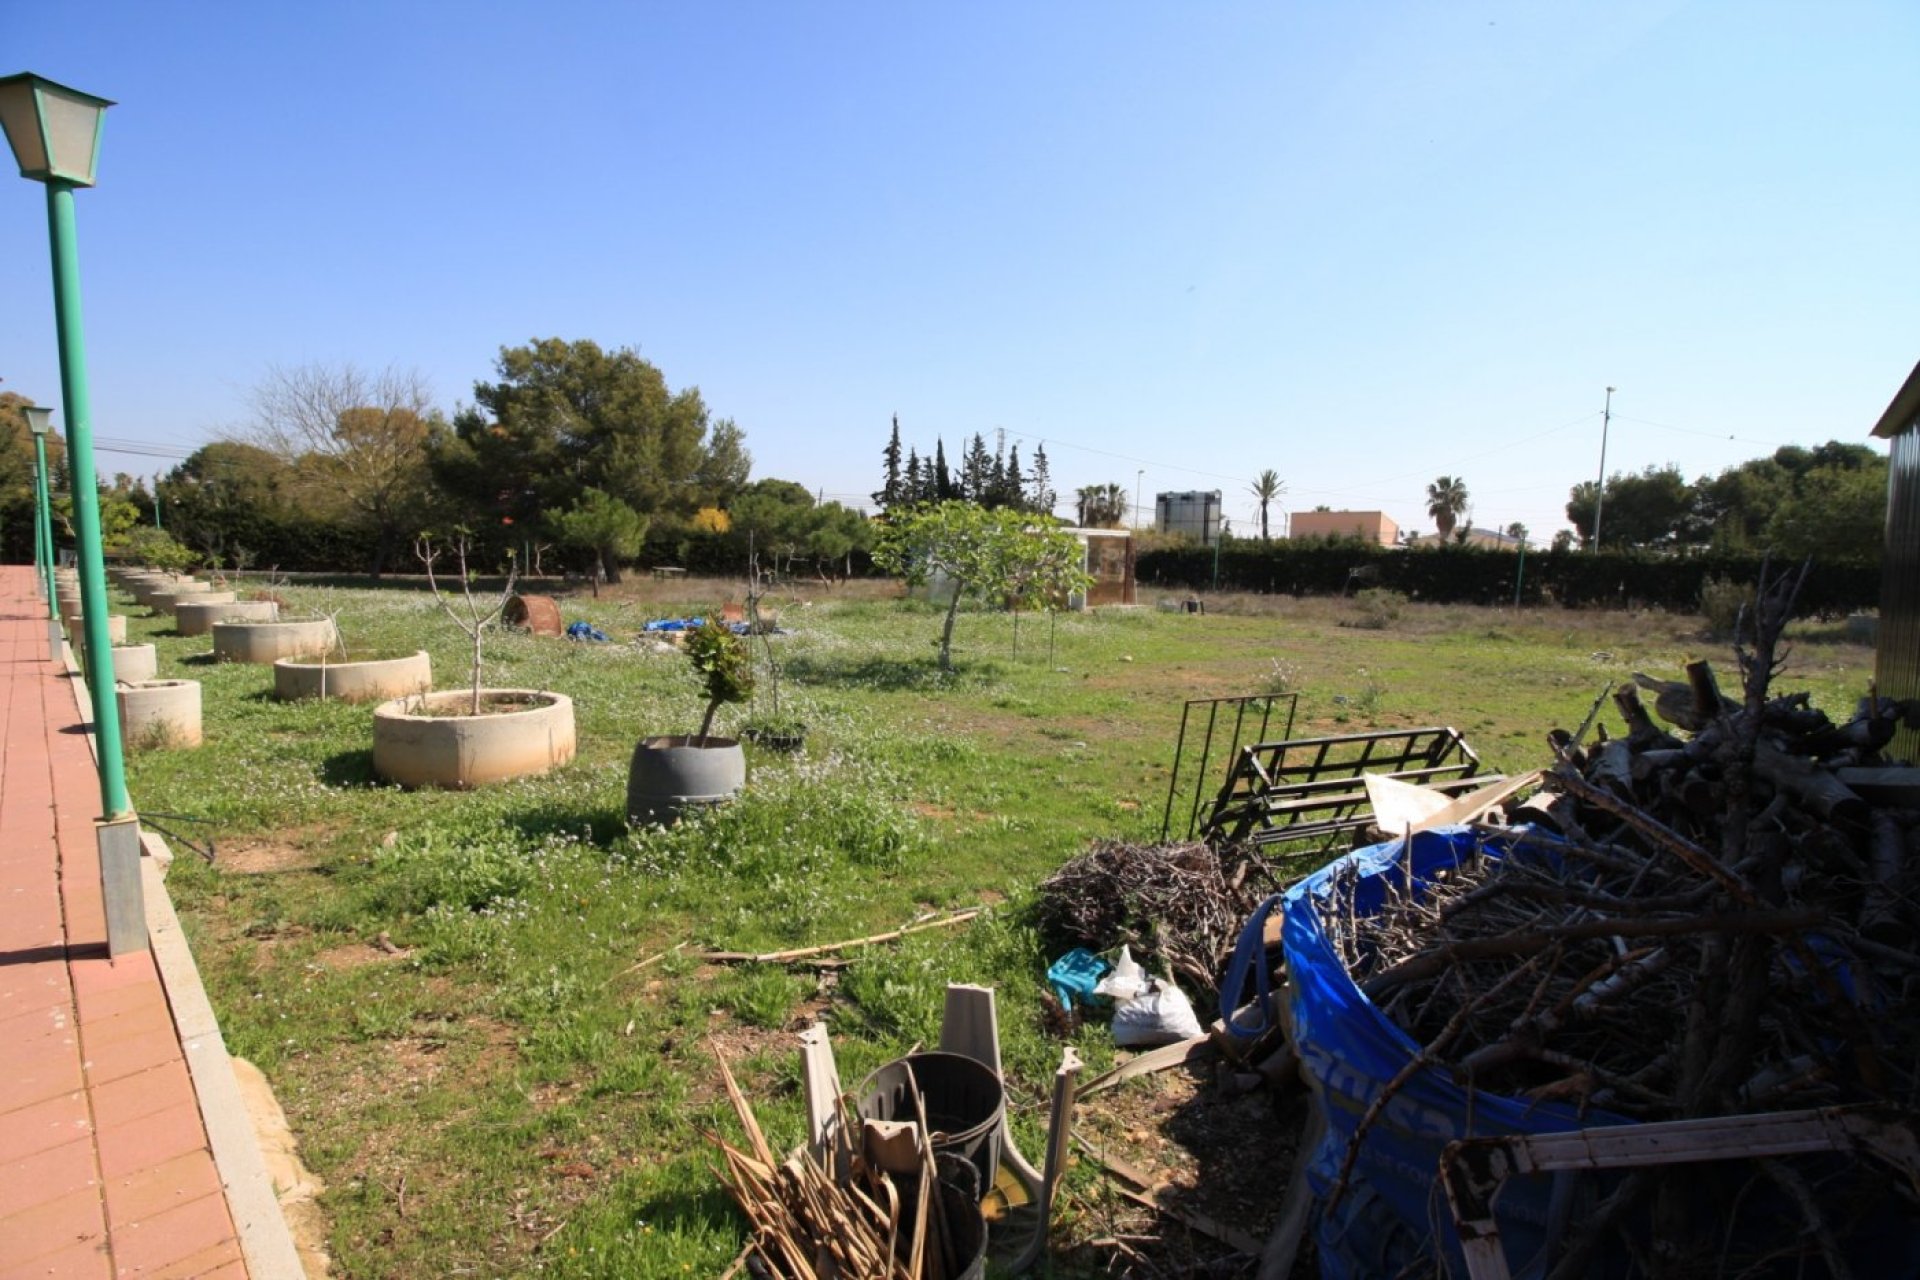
x=976 y=471
x=943 y=487
x=890 y=492
x=1013 y=489
x=1040 y=494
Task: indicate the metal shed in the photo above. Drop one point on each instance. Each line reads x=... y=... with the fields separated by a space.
x=1897 y=664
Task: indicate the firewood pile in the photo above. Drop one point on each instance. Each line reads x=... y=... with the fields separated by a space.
x=1708 y=917
x=893 y=1211
x=1179 y=906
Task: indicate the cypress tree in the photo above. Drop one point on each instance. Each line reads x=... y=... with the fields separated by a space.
x=889 y=494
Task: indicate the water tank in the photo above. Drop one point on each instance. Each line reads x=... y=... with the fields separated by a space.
x=1195 y=513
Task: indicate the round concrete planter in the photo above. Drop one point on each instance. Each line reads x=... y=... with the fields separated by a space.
x=670 y=775
x=69 y=604
x=135 y=663
x=272 y=641
x=116 y=628
x=166 y=601
x=459 y=751
x=160 y=713
x=147 y=588
x=374 y=680
x=196 y=617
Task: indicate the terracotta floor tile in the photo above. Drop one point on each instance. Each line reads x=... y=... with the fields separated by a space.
x=176 y=1236
x=131 y=1147
x=141 y=1018
x=52 y=1227
x=17 y=1029
x=99 y=976
x=152 y=1192
x=48 y=1175
x=85 y=1261
x=98 y=1006
x=38 y=1071
x=135 y=1053
x=129 y=1098
x=44 y=1124
x=222 y=1262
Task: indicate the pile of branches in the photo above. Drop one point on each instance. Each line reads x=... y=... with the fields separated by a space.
x=1178 y=906
x=1695 y=926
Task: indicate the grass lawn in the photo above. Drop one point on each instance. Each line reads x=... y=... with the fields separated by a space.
x=443 y=987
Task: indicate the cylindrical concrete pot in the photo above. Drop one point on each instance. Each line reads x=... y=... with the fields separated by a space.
x=146 y=589
x=69 y=604
x=166 y=601
x=529 y=732
x=272 y=641
x=196 y=617
x=135 y=663
x=373 y=680
x=160 y=713
x=116 y=628
x=671 y=775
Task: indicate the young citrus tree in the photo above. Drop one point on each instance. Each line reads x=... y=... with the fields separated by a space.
x=997 y=555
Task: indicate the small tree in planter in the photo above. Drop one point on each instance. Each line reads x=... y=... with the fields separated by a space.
x=468 y=737
x=725 y=667
x=479 y=614
x=672 y=774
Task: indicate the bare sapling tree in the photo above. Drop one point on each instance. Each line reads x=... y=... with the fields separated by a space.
x=478 y=613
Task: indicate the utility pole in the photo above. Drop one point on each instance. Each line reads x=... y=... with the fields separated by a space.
x=1138 y=476
x=1600 y=488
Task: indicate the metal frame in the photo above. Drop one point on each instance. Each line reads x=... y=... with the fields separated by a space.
x=1473 y=1169
x=1313 y=788
x=1240 y=705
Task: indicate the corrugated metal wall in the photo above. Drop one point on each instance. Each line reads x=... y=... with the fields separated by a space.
x=1898 y=667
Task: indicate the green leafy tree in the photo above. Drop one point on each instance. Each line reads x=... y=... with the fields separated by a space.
x=157 y=549
x=1447 y=501
x=1266 y=487
x=1040 y=497
x=1837 y=513
x=1652 y=509
x=564 y=416
x=725 y=667
x=227 y=496
x=606 y=526
x=975 y=551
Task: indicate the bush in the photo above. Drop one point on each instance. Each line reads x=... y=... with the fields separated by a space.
x=1377 y=609
x=1721 y=600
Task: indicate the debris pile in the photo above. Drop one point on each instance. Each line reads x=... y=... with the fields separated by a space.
x=1179 y=906
x=1699 y=926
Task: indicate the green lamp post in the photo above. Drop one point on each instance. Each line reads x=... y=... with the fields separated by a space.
x=38 y=422
x=55 y=135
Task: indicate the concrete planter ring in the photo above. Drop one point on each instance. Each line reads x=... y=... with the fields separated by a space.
x=670 y=775
x=370 y=680
x=116 y=628
x=429 y=740
x=160 y=713
x=171 y=599
x=135 y=663
x=144 y=592
x=266 y=642
x=196 y=617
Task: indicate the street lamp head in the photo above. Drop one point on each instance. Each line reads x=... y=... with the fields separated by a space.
x=39 y=420
x=54 y=130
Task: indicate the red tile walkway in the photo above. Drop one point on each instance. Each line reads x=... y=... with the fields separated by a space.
x=105 y=1169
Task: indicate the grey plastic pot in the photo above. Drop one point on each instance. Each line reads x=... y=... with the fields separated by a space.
x=672 y=774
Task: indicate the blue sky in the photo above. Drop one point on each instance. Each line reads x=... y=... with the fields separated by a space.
x=1364 y=244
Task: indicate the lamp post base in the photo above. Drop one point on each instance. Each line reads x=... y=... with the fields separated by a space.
x=125 y=899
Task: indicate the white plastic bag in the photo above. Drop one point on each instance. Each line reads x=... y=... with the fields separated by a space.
x=1126 y=980
x=1160 y=1015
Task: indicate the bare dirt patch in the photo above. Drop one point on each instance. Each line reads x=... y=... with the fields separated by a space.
x=266 y=857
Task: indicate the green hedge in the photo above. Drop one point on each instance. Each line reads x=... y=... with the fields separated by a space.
x=1475 y=575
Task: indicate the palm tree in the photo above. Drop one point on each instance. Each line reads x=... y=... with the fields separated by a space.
x=1101 y=506
x=1266 y=487
x=1446 y=503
